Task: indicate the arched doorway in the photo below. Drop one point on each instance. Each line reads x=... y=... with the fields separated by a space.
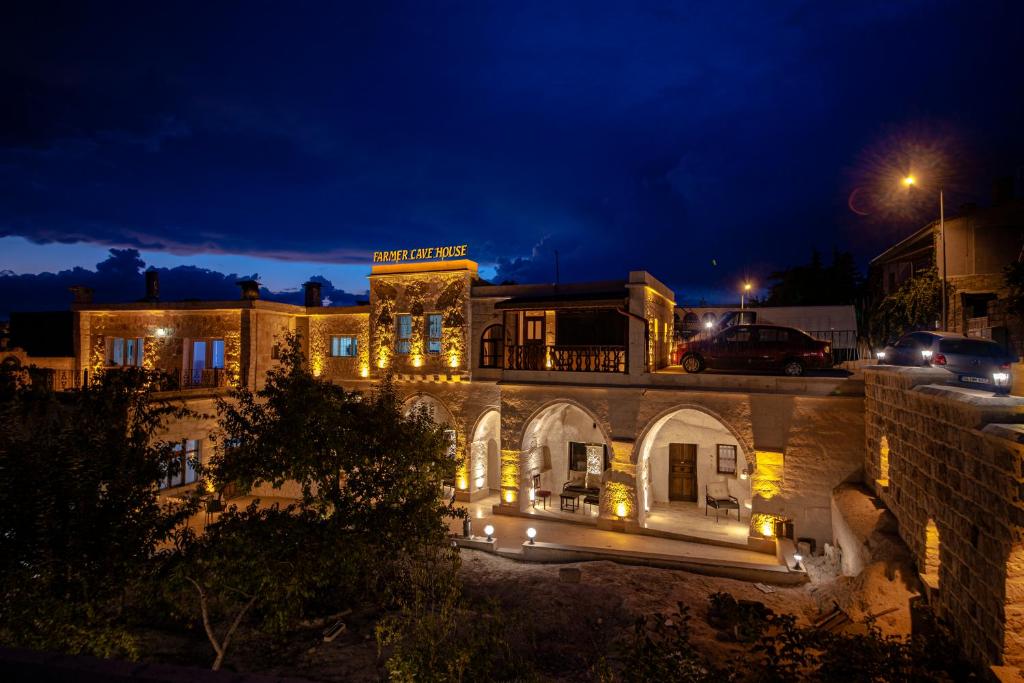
x=485 y=452
x=563 y=443
x=684 y=458
x=437 y=411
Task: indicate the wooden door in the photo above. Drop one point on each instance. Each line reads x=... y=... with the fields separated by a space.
x=682 y=471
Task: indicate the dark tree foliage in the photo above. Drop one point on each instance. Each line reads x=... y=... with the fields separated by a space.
x=1014 y=274
x=358 y=460
x=262 y=568
x=916 y=305
x=815 y=284
x=79 y=513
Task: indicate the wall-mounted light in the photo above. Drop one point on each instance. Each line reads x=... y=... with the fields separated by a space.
x=620 y=510
x=708 y=325
x=453 y=361
x=162 y=332
x=509 y=496
x=417 y=362
x=364 y=371
x=531 y=533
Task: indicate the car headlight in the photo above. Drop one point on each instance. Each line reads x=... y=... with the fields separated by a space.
x=880 y=355
x=1001 y=378
x=926 y=354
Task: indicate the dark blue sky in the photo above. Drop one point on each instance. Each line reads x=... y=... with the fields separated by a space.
x=300 y=136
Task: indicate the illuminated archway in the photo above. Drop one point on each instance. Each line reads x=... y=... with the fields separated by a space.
x=485 y=452
x=706 y=453
x=562 y=442
x=883 y=461
x=932 y=547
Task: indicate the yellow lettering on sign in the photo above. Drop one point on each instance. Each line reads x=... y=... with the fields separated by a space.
x=420 y=254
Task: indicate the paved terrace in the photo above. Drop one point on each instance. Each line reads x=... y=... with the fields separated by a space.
x=557 y=542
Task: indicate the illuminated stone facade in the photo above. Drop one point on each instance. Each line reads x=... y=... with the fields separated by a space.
x=541 y=385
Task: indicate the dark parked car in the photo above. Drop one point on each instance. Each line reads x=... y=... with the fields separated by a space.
x=971 y=362
x=756 y=347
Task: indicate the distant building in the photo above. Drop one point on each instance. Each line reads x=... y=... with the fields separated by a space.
x=980 y=244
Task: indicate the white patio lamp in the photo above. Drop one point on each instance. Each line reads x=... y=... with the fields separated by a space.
x=489 y=530
x=796 y=558
x=531 y=533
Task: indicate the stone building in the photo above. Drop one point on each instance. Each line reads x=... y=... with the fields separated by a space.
x=560 y=399
x=979 y=244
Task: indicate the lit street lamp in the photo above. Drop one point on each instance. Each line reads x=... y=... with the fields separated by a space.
x=743 y=294
x=910 y=181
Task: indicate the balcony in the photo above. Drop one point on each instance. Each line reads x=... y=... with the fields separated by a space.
x=566 y=358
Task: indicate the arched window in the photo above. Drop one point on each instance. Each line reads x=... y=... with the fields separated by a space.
x=492 y=347
x=691 y=322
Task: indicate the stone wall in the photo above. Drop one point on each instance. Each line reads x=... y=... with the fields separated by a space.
x=948 y=463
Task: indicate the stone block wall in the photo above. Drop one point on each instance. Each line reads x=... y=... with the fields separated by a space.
x=954 y=485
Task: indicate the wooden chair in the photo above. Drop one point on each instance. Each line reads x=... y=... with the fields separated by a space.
x=717 y=497
x=538 y=492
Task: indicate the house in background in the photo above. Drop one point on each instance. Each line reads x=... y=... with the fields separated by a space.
x=980 y=244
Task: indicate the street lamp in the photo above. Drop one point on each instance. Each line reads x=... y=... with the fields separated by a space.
x=910 y=181
x=743 y=294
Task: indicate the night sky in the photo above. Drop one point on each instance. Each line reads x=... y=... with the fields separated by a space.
x=292 y=139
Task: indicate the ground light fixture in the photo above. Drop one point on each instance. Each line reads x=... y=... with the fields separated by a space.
x=880 y=355
x=620 y=510
x=796 y=558
x=531 y=533
x=1000 y=379
x=926 y=354
x=489 y=530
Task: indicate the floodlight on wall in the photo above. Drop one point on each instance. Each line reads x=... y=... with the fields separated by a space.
x=620 y=510
x=531 y=533
x=489 y=530
x=162 y=332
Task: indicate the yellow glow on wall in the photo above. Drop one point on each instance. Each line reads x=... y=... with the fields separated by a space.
x=364 y=371
x=764 y=524
x=766 y=481
x=883 y=462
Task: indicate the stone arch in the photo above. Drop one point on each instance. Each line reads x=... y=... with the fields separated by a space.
x=706 y=430
x=544 y=446
x=930 y=568
x=437 y=408
x=883 y=461
x=691 y=322
x=485 y=450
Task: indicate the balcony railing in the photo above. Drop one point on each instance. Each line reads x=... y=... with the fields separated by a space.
x=566 y=358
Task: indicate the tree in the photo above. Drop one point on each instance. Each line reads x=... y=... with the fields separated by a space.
x=263 y=564
x=917 y=304
x=814 y=284
x=358 y=460
x=80 y=516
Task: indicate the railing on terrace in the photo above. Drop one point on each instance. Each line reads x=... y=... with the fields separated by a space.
x=566 y=358
x=844 y=343
x=55 y=380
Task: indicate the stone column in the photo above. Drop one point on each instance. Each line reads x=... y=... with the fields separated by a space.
x=618 y=508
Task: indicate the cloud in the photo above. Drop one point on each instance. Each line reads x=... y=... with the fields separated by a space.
x=119 y=279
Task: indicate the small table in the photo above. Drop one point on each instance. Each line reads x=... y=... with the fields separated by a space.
x=569 y=501
x=543 y=496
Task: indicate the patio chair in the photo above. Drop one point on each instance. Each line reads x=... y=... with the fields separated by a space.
x=717 y=497
x=539 y=493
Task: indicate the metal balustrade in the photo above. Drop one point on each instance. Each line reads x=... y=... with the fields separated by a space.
x=565 y=358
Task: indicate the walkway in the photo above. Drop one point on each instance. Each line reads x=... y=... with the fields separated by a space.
x=510 y=533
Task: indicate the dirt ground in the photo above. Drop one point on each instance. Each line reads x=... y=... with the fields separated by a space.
x=571 y=624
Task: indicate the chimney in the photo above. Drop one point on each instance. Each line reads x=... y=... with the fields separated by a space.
x=313 y=298
x=82 y=294
x=250 y=289
x=1002 y=190
x=152 y=286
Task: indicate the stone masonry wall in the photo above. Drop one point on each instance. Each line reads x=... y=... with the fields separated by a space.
x=949 y=467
